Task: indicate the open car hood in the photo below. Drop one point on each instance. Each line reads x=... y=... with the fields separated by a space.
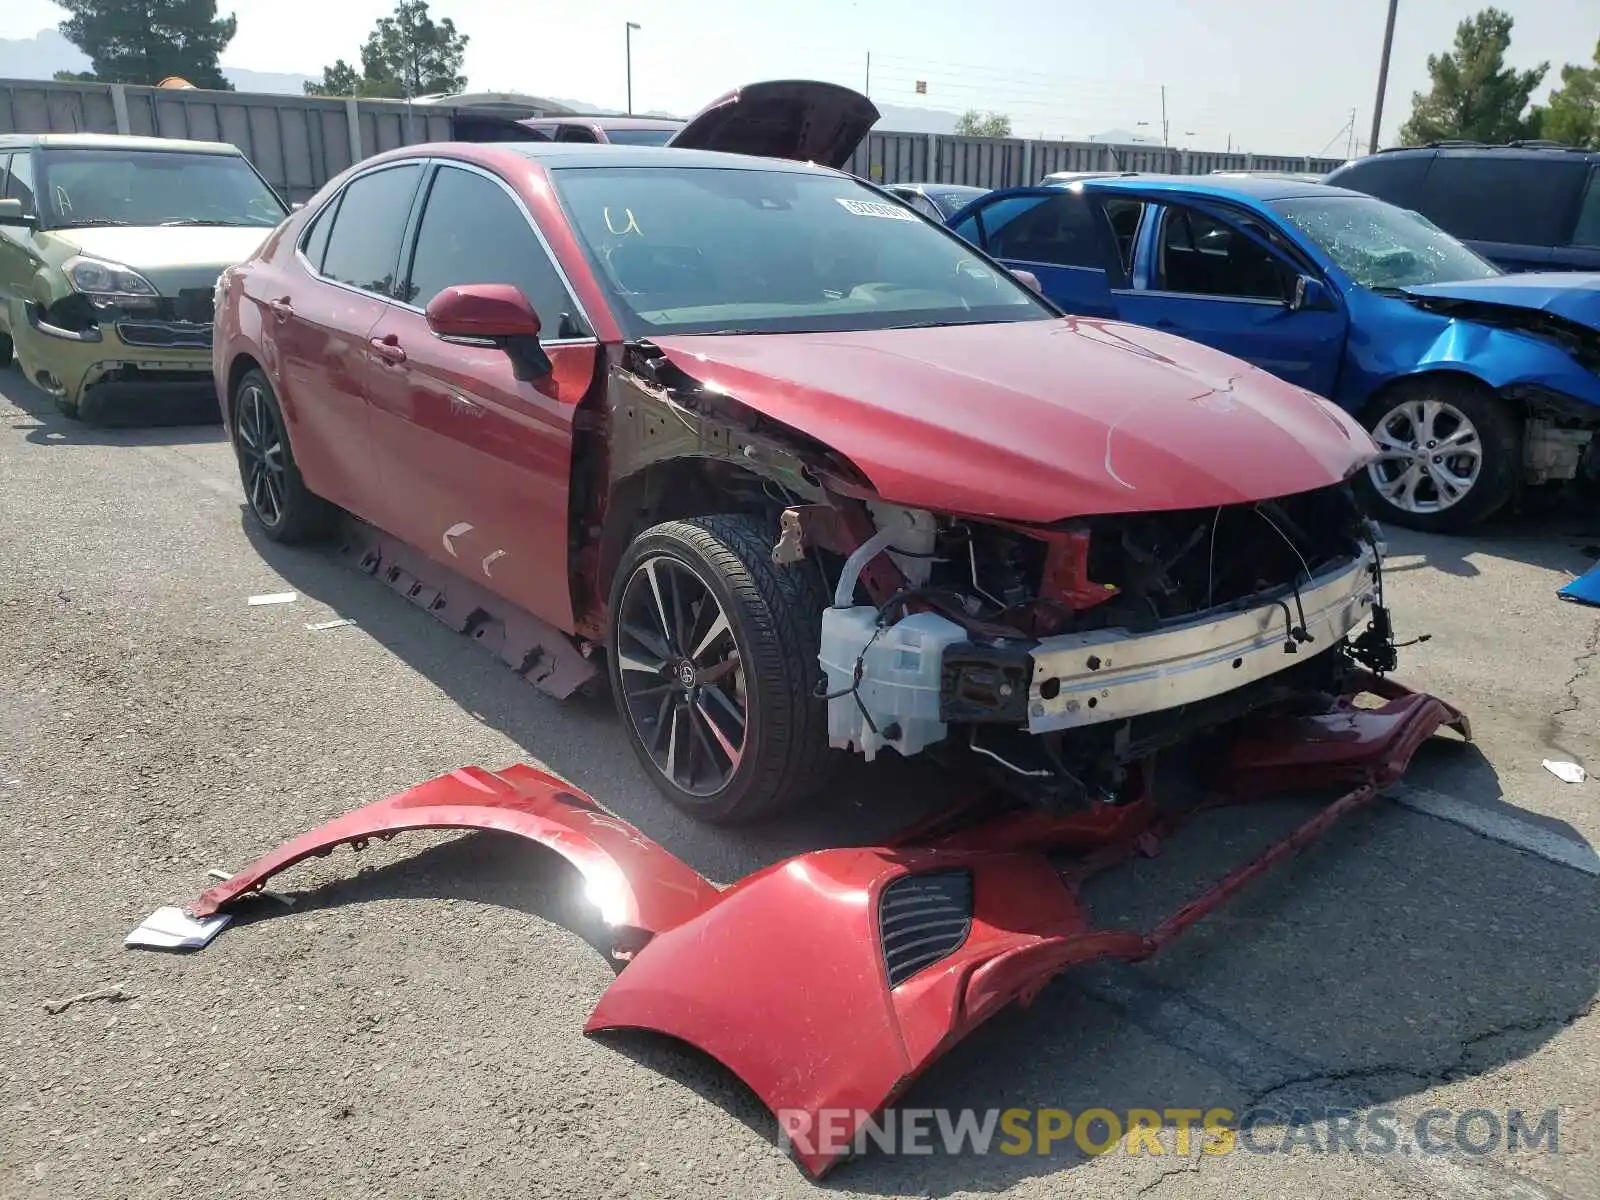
x=1574 y=295
x=801 y=119
x=1037 y=421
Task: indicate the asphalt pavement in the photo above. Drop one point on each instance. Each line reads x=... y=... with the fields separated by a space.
x=411 y=1027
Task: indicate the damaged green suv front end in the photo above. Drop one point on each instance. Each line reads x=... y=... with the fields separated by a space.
x=110 y=248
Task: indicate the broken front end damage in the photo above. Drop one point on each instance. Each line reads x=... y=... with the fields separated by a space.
x=1056 y=655
x=830 y=981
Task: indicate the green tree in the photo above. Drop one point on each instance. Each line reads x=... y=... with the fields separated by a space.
x=1475 y=96
x=1573 y=114
x=144 y=41
x=973 y=123
x=341 y=79
x=407 y=54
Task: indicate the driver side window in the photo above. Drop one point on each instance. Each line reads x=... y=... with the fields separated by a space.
x=472 y=231
x=1201 y=256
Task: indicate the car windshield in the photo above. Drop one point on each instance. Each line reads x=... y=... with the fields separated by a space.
x=952 y=200
x=730 y=250
x=1381 y=246
x=114 y=186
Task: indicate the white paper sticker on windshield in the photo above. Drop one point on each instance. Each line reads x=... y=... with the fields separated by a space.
x=877 y=208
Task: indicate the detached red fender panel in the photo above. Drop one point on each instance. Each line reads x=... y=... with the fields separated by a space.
x=638 y=887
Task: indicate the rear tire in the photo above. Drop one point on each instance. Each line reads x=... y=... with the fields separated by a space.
x=6 y=350
x=1453 y=455
x=283 y=507
x=725 y=743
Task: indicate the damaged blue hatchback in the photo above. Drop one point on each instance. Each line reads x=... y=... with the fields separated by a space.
x=1474 y=382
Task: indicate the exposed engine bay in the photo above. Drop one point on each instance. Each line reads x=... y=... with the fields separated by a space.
x=1061 y=655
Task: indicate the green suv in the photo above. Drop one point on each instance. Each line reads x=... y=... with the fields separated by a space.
x=110 y=248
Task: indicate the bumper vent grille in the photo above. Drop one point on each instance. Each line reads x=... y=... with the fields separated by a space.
x=923 y=918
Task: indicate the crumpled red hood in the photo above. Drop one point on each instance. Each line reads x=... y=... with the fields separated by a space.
x=1038 y=421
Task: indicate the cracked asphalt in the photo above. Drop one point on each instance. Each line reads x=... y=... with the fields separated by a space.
x=411 y=1026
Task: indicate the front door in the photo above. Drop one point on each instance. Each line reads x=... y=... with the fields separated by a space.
x=478 y=460
x=1056 y=233
x=1217 y=282
x=18 y=258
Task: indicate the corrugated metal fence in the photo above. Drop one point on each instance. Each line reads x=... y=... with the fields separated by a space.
x=300 y=142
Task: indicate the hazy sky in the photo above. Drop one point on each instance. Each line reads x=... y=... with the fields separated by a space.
x=1275 y=75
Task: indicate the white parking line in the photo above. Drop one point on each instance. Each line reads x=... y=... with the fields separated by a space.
x=1499 y=827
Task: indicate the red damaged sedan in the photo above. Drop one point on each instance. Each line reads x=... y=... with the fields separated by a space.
x=799 y=469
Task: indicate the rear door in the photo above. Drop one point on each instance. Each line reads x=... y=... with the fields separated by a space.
x=1058 y=234
x=318 y=320
x=1227 y=279
x=479 y=461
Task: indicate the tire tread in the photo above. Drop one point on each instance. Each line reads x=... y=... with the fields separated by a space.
x=780 y=609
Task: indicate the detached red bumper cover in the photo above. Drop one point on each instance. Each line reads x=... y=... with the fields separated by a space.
x=828 y=982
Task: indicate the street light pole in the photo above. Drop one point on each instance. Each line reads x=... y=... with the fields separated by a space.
x=1383 y=77
x=627 y=35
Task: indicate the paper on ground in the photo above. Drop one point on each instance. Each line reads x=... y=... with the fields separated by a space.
x=274 y=598
x=1565 y=771
x=171 y=928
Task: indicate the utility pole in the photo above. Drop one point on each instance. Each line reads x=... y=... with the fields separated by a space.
x=1350 y=142
x=627 y=36
x=1163 y=116
x=867 y=91
x=1383 y=77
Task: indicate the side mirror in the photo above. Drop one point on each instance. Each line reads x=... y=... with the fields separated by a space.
x=1308 y=293
x=483 y=311
x=1030 y=279
x=11 y=214
x=494 y=313
x=297 y=206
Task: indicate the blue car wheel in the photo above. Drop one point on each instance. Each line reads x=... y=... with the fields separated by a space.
x=1451 y=454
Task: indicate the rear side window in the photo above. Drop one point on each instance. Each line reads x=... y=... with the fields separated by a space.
x=315 y=244
x=364 y=245
x=1587 y=230
x=1524 y=201
x=472 y=231
x=1395 y=179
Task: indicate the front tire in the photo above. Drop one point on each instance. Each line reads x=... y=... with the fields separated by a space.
x=283 y=507
x=1452 y=455
x=712 y=651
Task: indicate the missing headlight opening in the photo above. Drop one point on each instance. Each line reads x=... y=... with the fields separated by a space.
x=1081 y=648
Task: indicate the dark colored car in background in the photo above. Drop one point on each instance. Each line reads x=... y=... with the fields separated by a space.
x=939 y=201
x=1529 y=207
x=616 y=131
